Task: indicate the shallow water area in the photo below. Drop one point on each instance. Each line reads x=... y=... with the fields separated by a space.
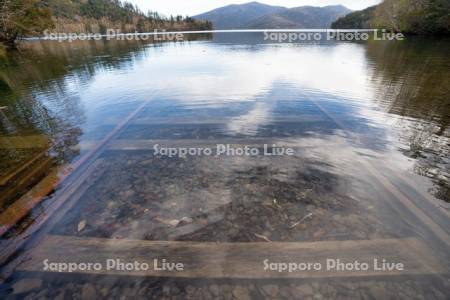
x=367 y=178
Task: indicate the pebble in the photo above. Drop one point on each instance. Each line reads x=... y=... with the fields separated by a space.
x=135 y=225
x=44 y=292
x=270 y=290
x=304 y=290
x=81 y=225
x=104 y=292
x=317 y=297
x=26 y=285
x=206 y=294
x=174 y=290
x=214 y=289
x=166 y=290
x=285 y=292
x=128 y=194
x=186 y=220
x=319 y=233
x=190 y=290
x=174 y=223
x=241 y=293
x=88 y=292
x=377 y=292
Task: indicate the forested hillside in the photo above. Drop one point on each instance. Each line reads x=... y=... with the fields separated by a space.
x=19 y=18
x=361 y=19
x=407 y=16
x=98 y=15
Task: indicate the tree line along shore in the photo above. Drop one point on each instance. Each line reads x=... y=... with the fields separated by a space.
x=422 y=17
x=22 y=18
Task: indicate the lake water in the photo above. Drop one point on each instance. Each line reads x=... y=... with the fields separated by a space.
x=368 y=178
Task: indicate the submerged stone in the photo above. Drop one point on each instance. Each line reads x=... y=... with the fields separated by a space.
x=26 y=285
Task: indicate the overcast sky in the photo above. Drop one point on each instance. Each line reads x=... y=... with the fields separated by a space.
x=193 y=7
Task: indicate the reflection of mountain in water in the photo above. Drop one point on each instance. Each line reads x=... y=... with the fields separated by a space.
x=414 y=83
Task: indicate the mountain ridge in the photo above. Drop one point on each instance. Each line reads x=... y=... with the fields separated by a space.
x=255 y=15
x=234 y=16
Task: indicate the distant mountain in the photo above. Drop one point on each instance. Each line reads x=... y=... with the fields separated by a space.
x=236 y=16
x=301 y=17
x=255 y=15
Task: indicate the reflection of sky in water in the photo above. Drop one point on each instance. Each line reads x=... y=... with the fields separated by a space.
x=266 y=84
x=282 y=91
x=208 y=73
x=213 y=76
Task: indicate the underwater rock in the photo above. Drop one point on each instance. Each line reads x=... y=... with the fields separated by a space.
x=214 y=289
x=241 y=293
x=270 y=290
x=81 y=225
x=304 y=290
x=88 y=292
x=185 y=221
x=26 y=285
x=174 y=223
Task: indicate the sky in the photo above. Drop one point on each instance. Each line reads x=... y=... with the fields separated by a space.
x=194 y=7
